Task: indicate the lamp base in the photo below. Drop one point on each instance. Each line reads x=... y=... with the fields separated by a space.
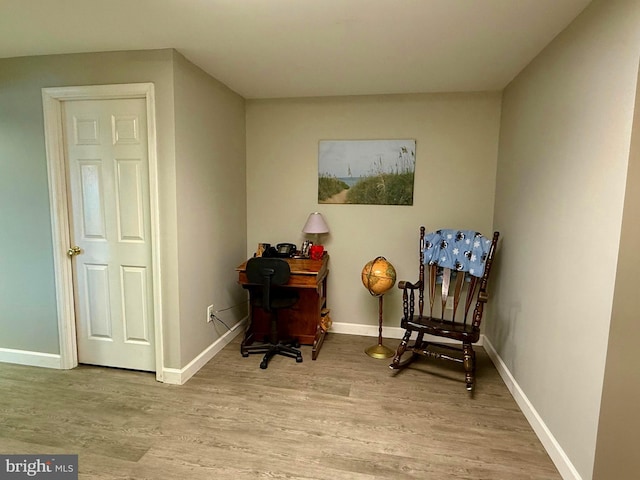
x=379 y=351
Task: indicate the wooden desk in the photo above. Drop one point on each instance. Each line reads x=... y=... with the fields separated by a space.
x=302 y=321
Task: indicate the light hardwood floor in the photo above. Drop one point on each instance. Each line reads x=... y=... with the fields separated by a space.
x=343 y=416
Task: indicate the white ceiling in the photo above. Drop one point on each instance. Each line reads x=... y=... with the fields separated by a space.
x=298 y=48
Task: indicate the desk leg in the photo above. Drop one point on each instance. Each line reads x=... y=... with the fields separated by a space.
x=317 y=342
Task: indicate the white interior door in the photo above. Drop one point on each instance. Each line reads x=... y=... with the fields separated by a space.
x=108 y=178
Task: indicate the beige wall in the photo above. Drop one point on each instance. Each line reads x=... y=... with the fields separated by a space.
x=619 y=426
x=211 y=204
x=456 y=149
x=564 y=147
x=28 y=315
x=202 y=200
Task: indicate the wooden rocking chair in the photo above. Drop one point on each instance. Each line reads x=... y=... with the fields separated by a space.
x=453 y=266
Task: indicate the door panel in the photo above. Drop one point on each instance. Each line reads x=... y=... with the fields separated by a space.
x=96 y=295
x=107 y=163
x=129 y=198
x=135 y=317
x=91 y=203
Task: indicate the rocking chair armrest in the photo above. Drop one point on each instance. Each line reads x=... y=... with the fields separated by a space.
x=406 y=285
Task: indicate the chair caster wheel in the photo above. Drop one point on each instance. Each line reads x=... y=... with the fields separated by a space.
x=263 y=365
x=245 y=355
x=298 y=359
x=296 y=344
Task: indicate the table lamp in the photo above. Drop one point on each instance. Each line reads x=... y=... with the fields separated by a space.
x=316 y=225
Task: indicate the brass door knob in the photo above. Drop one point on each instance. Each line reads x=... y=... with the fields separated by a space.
x=73 y=251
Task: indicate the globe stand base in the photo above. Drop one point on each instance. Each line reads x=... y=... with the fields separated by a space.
x=379 y=351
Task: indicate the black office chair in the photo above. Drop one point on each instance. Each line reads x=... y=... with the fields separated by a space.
x=266 y=273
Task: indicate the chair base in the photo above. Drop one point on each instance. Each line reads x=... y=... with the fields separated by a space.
x=286 y=349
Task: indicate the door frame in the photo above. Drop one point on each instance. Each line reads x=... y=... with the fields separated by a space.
x=52 y=100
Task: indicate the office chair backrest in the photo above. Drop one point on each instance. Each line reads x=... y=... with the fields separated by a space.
x=267 y=272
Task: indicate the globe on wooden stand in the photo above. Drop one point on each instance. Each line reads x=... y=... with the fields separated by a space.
x=378 y=277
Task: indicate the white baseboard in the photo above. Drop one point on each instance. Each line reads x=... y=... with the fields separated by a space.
x=34 y=359
x=180 y=376
x=387 y=332
x=550 y=444
x=176 y=376
x=171 y=375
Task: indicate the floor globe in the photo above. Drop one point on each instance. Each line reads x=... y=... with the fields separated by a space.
x=378 y=276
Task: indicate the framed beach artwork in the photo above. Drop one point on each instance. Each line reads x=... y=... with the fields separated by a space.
x=373 y=172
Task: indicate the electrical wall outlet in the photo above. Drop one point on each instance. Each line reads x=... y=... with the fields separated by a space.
x=210 y=313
